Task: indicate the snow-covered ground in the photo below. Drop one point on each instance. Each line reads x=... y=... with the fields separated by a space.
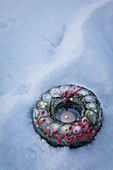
x=44 y=43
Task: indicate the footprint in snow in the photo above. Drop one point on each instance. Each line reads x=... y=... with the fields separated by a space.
x=7 y=23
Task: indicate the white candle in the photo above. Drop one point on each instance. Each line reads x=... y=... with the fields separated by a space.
x=67 y=117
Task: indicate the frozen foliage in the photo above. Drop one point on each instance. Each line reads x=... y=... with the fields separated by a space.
x=44 y=44
x=83 y=124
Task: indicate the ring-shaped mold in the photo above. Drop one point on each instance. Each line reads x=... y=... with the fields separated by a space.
x=84 y=118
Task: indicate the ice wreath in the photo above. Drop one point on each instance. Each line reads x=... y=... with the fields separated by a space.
x=67 y=115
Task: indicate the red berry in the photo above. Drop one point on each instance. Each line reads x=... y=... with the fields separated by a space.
x=54 y=131
x=83 y=126
x=71 y=95
x=40 y=123
x=98 y=128
x=84 y=135
x=65 y=103
x=84 y=120
x=74 y=124
x=47 y=131
x=66 y=134
x=75 y=131
x=43 y=120
x=91 y=133
x=76 y=137
x=78 y=124
x=88 y=134
x=42 y=112
x=94 y=136
x=72 y=141
x=67 y=98
x=56 y=136
x=59 y=140
x=87 y=131
x=97 y=121
x=80 y=120
x=80 y=134
x=65 y=95
x=66 y=92
x=83 y=139
x=72 y=137
x=71 y=85
x=77 y=94
x=70 y=127
x=80 y=137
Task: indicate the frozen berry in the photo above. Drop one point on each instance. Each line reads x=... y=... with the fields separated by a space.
x=72 y=137
x=47 y=131
x=40 y=122
x=56 y=136
x=83 y=126
x=59 y=140
x=66 y=134
x=88 y=134
x=72 y=141
x=80 y=137
x=42 y=112
x=84 y=120
x=76 y=137
x=70 y=127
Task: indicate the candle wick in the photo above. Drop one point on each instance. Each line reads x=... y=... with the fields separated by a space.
x=66 y=117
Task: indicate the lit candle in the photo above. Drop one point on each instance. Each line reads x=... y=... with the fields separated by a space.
x=67 y=117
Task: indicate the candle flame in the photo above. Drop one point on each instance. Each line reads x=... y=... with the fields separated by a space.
x=66 y=117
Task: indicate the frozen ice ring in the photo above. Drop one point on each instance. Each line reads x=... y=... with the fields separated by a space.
x=68 y=115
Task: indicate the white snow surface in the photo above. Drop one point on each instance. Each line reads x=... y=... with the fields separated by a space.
x=45 y=43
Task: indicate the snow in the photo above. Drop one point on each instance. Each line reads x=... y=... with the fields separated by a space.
x=44 y=44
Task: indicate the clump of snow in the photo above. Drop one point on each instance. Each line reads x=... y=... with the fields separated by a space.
x=44 y=44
